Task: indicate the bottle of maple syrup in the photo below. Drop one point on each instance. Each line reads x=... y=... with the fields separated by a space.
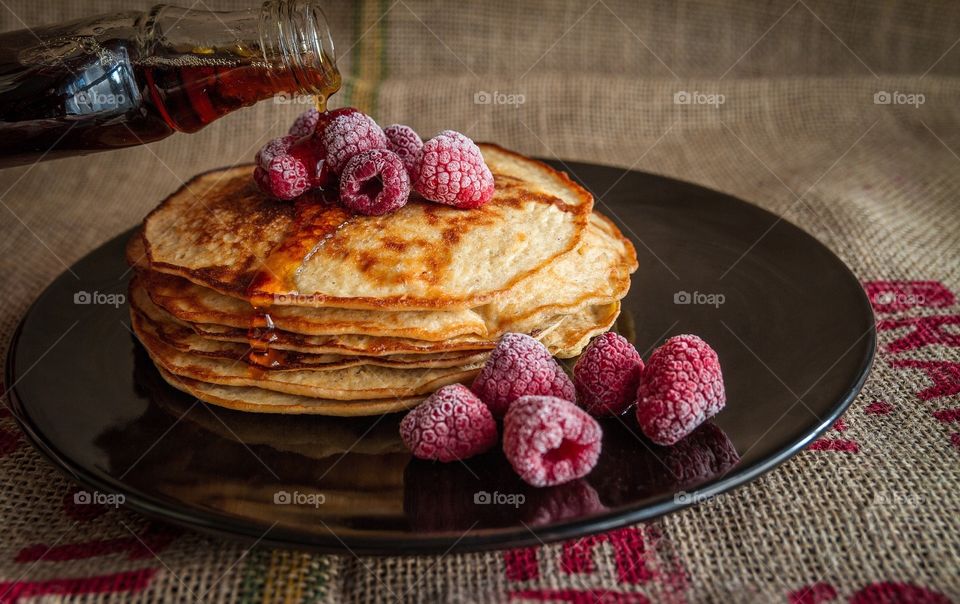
x=115 y=81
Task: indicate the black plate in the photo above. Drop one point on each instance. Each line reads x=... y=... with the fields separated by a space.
x=794 y=333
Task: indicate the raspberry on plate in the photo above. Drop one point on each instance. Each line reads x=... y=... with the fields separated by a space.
x=607 y=374
x=550 y=441
x=452 y=171
x=374 y=182
x=405 y=142
x=347 y=134
x=681 y=387
x=518 y=366
x=451 y=424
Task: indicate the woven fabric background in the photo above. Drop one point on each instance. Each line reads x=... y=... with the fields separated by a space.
x=868 y=514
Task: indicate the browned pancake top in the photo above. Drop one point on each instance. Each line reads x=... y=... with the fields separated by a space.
x=222 y=232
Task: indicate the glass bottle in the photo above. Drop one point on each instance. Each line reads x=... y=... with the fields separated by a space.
x=114 y=81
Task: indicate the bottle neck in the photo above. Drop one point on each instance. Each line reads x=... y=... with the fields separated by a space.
x=201 y=65
x=295 y=40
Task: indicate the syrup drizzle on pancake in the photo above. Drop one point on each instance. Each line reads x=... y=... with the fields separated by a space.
x=316 y=219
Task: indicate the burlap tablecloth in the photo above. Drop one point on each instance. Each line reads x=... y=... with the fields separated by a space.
x=783 y=112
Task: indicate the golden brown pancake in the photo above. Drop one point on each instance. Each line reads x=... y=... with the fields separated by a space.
x=301 y=307
x=186 y=340
x=351 y=383
x=594 y=273
x=258 y=400
x=191 y=302
x=568 y=339
x=221 y=232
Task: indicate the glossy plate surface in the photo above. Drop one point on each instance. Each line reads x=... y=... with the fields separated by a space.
x=791 y=324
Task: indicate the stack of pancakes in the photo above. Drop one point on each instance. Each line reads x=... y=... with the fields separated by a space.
x=303 y=307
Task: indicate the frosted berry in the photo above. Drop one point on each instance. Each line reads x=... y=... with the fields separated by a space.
x=273 y=148
x=347 y=134
x=550 y=441
x=451 y=424
x=451 y=170
x=680 y=388
x=519 y=366
x=406 y=143
x=311 y=154
x=327 y=116
x=284 y=178
x=305 y=124
x=374 y=182
x=607 y=374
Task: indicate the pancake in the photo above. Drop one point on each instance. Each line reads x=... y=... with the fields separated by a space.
x=304 y=308
x=220 y=232
x=258 y=400
x=348 y=344
x=597 y=272
x=186 y=340
x=567 y=340
x=352 y=383
x=570 y=335
x=190 y=302
x=594 y=273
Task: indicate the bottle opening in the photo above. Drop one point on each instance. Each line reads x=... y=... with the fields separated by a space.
x=295 y=38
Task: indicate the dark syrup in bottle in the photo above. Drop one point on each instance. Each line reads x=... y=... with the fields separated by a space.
x=121 y=80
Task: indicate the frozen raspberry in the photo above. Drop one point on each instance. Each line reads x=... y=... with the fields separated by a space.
x=312 y=121
x=278 y=173
x=406 y=143
x=549 y=440
x=311 y=150
x=311 y=154
x=305 y=124
x=284 y=178
x=452 y=171
x=680 y=388
x=276 y=147
x=347 y=134
x=606 y=375
x=451 y=424
x=374 y=182
x=327 y=116
x=518 y=366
